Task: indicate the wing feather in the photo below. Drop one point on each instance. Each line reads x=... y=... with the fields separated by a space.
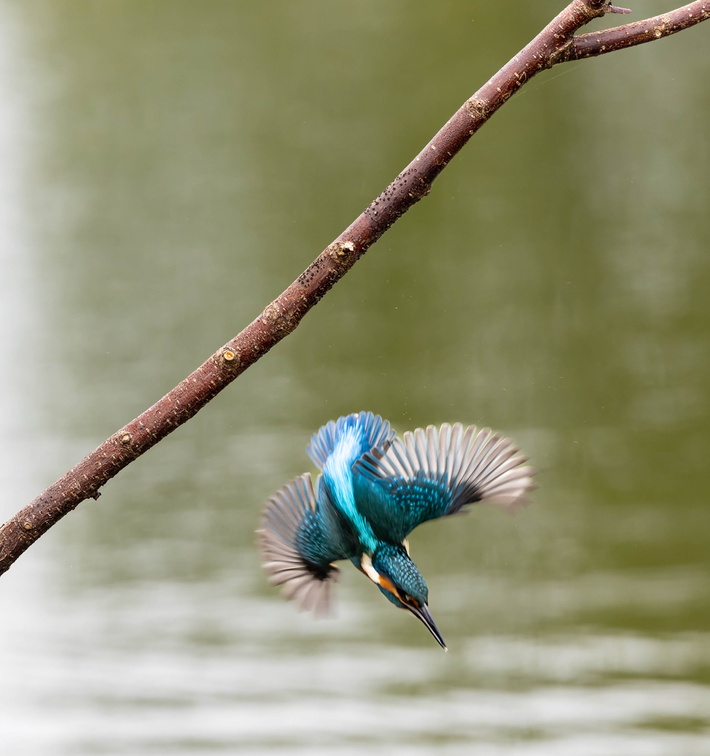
x=434 y=472
x=296 y=548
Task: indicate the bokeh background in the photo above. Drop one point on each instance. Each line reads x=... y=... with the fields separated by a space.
x=166 y=169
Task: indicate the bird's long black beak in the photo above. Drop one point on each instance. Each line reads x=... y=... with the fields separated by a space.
x=422 y=613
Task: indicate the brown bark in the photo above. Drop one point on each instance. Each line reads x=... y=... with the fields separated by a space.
x=637 y=33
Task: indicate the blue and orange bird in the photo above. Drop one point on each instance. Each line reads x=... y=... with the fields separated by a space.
x=372 y=491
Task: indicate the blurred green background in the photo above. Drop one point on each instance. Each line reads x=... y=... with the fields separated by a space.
x=166 y=169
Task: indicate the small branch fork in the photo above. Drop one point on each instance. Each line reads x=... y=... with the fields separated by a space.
x=555 y=44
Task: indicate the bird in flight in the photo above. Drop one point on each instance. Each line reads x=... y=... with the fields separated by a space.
x=373 y=489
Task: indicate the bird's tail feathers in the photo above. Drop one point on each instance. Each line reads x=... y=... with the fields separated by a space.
x=371 y=431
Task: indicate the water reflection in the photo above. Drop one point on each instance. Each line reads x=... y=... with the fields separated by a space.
x=168 y=170
x=181 y=670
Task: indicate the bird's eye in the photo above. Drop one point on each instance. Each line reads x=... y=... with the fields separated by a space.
x=407 y=600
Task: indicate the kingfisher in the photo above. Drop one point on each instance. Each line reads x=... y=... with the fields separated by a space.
x=373 y=489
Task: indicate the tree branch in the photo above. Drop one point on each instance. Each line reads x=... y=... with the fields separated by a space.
x=637 y=33
x=555 y=44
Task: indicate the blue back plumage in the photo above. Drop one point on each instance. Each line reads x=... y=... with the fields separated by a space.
x=335 y=448
x=366 y=430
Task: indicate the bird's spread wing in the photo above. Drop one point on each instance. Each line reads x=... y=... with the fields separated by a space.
x=435 y=472
x=298 y=545
x=371 y=432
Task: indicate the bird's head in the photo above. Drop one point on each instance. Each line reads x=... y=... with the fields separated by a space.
x=391 y=569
